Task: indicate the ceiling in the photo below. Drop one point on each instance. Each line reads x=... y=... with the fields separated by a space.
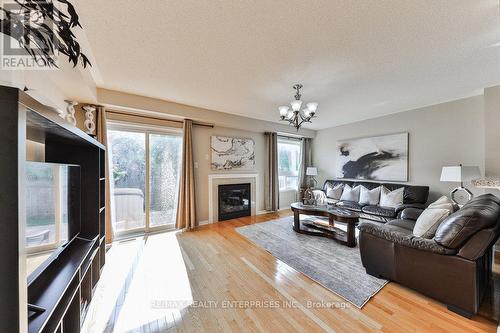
x=358 y=59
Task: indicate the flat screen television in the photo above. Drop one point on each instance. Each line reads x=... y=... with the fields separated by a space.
x=52 y=203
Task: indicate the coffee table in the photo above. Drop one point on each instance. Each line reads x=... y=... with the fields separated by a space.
x=326 y=229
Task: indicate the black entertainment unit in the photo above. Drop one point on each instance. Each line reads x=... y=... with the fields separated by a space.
x=59 y=293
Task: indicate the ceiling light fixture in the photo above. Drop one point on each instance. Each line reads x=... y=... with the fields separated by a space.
x=296 y=115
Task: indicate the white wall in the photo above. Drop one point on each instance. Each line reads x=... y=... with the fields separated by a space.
x=444 y=134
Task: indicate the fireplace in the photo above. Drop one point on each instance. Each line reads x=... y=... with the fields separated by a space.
x=234 y=201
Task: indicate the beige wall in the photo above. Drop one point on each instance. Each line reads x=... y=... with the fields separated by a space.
x=123 y=101
x=201 y=152
x=225 y=125
x=444 y=134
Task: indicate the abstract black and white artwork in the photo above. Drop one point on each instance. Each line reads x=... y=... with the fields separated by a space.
x=232 y=153
x=375 y=158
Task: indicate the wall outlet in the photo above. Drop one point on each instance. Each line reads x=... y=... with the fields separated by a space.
x=196 y=165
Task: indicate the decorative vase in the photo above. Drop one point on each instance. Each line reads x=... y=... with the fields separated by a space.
x=89 y=119
x=70 y=112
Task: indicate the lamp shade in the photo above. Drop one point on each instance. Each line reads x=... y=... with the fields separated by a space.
x=460 y=173
x=312 y=171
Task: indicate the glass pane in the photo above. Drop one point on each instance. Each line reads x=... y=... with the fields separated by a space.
x=288 y=164
x=165 y=163
x=128 y=156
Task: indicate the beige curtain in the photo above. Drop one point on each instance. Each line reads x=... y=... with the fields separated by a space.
x=306 y=162
x=102 y=136
x=186 y=209
x=271 y=177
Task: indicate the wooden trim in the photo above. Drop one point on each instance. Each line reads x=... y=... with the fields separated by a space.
x=117 y=115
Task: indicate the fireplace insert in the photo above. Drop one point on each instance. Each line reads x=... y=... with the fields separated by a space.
x=234 y=201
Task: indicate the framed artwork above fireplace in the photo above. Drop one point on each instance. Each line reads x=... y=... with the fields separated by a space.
x=232 y=153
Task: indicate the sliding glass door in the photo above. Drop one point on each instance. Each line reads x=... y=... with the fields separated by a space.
x=145 y=171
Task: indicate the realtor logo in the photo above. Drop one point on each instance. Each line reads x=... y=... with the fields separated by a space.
x=28 y=36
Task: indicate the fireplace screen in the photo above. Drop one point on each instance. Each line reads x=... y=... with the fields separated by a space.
x=234 y=201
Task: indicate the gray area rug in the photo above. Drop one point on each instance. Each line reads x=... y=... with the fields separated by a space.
x=329 y=263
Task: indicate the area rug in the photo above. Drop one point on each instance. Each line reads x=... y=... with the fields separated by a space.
x=336 y=267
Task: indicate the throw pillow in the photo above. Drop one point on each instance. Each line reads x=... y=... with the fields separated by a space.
x=320 y=197
x=429 y=221
x=444 y=203
x=392 y=199
x=334 y=192
x=350 y=194
x=369 y=197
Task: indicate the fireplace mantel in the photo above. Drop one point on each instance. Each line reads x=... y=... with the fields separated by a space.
x=227 y=178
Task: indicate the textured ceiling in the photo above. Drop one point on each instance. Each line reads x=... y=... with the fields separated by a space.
x=358 y=59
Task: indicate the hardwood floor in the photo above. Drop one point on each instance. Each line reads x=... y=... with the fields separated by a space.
x=218 y=270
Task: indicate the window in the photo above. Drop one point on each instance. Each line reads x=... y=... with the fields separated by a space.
x=289 y=159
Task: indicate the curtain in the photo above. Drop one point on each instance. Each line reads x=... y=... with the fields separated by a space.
x=186 y=208
x=102 y=136
x=306 y=162
x=271 y=177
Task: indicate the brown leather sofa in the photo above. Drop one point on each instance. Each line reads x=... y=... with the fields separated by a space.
x=413 y=197
x=454 y=267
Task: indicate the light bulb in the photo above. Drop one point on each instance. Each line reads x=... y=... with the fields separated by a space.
x=283 y=110
x=312 y=107
x=296 y=105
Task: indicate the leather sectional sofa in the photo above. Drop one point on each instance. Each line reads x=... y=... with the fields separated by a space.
x=454 y=267
x=414 y=197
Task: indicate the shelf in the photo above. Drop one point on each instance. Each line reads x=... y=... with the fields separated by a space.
x=50 y=287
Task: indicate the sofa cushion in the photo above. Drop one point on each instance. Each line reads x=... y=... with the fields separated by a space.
x=369 y=197
x=390 y=198
x=352 y=205
x=379 y=211
x=350 y=194
x=444 y=203
x=480 y=213
x=330 y=201
x=405 y=224
x=412 y=194
x=334 y=192
x=428 y=222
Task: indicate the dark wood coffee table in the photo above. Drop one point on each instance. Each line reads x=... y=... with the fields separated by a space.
x=326 y=229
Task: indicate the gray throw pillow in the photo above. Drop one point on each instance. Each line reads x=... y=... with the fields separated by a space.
x=334 y=192
x=429 y=221
x=392 y=199
x=350 y=194
x=369 y=197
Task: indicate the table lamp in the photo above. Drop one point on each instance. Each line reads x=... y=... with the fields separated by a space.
x=311 y=172
x=460 y=174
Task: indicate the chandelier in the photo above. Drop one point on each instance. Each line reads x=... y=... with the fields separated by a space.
x=296 y=115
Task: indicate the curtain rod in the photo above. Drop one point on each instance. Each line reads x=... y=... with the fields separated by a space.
x=157 y=118
x=293 y=138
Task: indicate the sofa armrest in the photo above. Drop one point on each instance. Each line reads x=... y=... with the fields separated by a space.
x=478 y=244
x=410 y=214
x=412 y=205
x=397 y=235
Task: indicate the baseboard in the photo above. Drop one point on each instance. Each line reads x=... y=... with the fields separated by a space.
x=262 y=212
x=203 y=222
